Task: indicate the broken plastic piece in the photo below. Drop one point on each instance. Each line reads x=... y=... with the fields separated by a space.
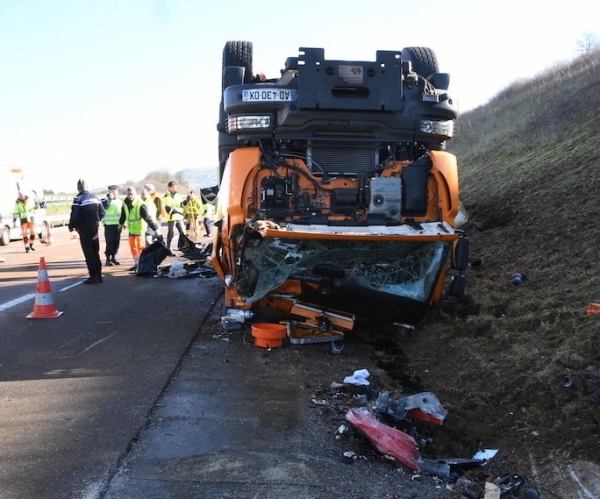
x=422 y=406
x=485 y=455
x=518 y=279
x=592 y=308
x=386 y=439
x=443 y=467
x=492 y=491
x=510 y=483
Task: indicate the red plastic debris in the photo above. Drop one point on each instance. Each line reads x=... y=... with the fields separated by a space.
x=592 y=308
x=386 y=439
x=420 y=415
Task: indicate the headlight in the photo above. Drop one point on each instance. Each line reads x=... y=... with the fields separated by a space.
x=241 y=123
x=434 y=127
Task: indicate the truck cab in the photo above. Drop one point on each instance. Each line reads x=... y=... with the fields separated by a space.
x=336 y=191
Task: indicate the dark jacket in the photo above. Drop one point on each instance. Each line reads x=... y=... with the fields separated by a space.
x=86 y=212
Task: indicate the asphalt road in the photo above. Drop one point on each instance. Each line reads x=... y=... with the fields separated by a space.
x=135 y=391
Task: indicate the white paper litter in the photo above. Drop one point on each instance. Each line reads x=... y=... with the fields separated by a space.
x=358 y=378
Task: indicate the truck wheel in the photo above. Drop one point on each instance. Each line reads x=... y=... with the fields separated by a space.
x=237 y=58
x=238 y=54
x=424 y=61
x=5 y=236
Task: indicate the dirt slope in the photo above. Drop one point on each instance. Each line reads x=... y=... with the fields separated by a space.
x=518 y=366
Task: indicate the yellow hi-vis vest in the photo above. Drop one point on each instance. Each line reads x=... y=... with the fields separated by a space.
x=24 y=211
x=113 y=212
x=174 y=201
x=136 y=225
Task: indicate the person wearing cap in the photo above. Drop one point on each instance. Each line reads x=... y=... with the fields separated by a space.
x=24 y=210
x=113 y=206
x=157 y=200
x=86 y=214
x=136 y=217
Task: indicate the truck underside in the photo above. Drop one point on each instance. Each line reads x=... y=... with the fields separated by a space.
x=335 y=189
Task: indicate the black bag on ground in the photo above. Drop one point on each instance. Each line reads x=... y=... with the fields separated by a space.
x=151 y=257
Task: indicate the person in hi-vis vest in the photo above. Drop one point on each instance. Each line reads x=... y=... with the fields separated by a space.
x=135 y=217
x=113 y=206
x=173 y=201
x=24 y=211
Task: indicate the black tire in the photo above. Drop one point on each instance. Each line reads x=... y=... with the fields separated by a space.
x=235 y=55
x=238 y=54
x=424 y=61
x=4 y=236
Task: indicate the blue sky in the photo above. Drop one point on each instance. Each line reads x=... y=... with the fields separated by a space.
x=110 y=90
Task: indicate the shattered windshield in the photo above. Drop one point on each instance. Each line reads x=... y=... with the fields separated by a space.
x=401 y=268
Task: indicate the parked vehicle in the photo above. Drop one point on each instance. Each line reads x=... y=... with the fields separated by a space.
x=336 y=193
x=14 y=181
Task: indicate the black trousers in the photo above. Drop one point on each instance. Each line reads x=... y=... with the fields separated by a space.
x=90 y=244
x=170 y=230
x=112 y=236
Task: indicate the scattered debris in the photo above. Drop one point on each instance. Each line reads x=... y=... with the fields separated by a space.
x=492 y=491
x=422 y=406
x=150 y=258
x=485 y=455
x=402 y=444
x=359 y=378
x=592 y=309
x=386 y=439
x=342 y=429
x=229 y=324
x=518 y=279
x=477 y=262
x=176 y=270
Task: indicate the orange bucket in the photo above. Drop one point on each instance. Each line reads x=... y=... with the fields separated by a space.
x=268 y=335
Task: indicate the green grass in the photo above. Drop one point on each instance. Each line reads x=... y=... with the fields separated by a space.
x=58 y=209
x=530 y=181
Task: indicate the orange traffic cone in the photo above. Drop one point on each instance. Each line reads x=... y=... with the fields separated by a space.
x=49 y=235
x=44 y=304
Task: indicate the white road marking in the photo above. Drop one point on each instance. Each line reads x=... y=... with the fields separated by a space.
x=30 y=296
x=16 y=301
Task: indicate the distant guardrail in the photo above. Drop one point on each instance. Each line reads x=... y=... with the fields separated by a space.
x=58 y=199
x=56 y=220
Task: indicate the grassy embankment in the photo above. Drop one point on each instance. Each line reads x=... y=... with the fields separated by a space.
x=530 y=180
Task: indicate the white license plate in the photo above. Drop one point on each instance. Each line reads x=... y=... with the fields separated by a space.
x=269 y=95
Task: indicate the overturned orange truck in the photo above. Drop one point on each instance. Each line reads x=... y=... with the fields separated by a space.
x=337 y=198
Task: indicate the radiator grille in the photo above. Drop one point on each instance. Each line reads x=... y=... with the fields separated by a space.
x=342 y=157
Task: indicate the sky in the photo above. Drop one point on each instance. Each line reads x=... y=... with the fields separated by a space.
x=111 y=90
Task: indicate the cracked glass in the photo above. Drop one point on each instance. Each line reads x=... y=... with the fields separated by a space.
x=400 y=268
